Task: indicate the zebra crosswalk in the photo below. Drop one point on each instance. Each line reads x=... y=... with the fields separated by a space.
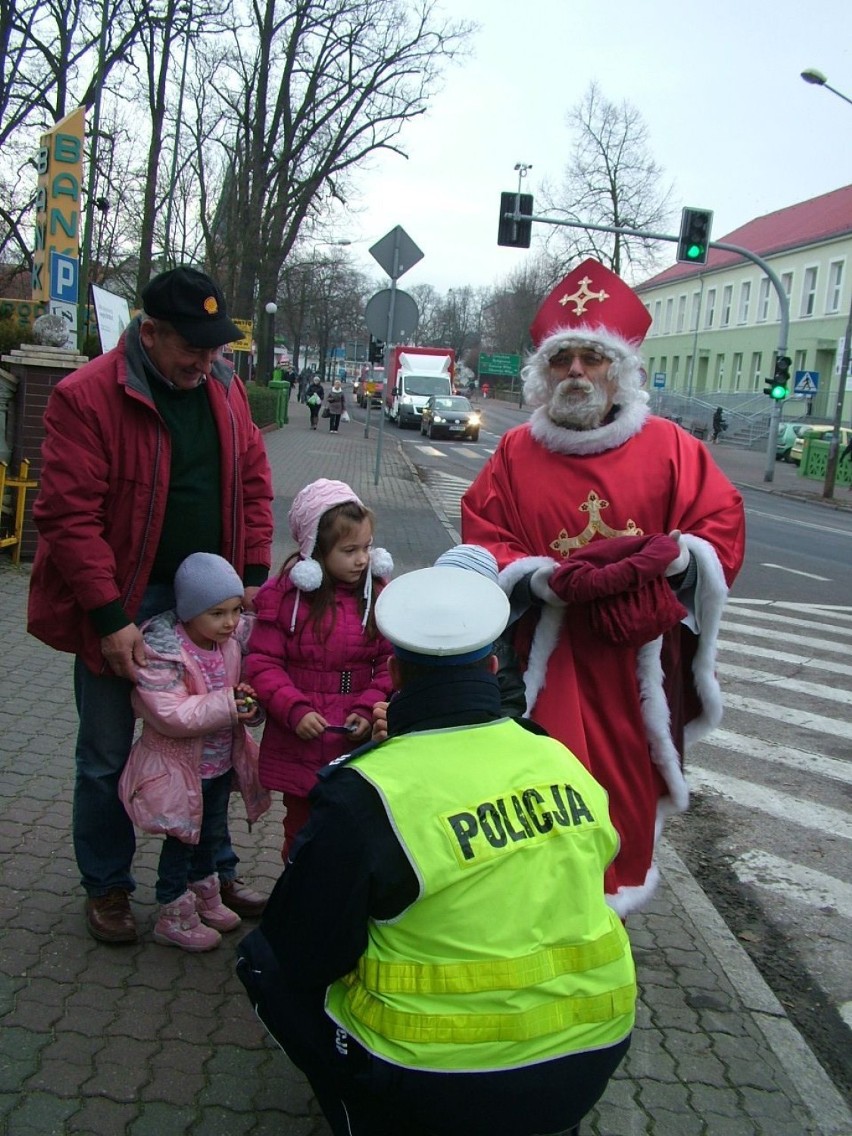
x=778 y=775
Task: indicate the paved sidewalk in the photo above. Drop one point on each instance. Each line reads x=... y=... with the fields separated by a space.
x=148 y=1041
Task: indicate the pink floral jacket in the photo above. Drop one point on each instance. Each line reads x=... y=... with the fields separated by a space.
x=161 y=784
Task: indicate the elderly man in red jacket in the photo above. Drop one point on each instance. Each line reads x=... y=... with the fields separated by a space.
x=150 y=454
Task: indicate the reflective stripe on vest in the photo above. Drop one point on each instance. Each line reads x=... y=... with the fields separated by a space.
x=555 y=1016
x=488 y=974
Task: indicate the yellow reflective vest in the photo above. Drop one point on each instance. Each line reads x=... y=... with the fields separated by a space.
x=509 y=956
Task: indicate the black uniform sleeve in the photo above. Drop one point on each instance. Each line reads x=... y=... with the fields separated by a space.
x=347 y=868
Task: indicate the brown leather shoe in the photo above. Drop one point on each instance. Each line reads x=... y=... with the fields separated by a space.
x=109 y=918
x=242 y=899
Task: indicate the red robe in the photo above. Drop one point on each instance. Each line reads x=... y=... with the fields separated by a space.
x=626 y=713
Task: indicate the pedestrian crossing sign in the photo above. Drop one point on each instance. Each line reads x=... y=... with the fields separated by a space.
x=806 y=382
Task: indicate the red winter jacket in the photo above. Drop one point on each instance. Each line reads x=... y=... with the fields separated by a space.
x=294 y=672
x=102 y=500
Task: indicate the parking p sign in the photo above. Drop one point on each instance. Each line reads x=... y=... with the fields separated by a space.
x=64 y=277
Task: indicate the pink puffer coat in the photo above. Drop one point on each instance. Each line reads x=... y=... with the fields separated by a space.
x=294 y=672
x=161 y=785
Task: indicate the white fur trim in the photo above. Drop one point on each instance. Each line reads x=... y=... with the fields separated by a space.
x=560 y=440
x=543 y=644
x=629 y=899
x=306 y=575
x=381 y=563
x=711 y=594
x=657 y=720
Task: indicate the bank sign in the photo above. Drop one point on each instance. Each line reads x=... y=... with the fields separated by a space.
x=58 y=196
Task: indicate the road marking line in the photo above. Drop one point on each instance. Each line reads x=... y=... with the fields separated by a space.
x=841 y=611
x=748 y=795
x=800 y=524
x=820 y=645
x=804 y=719
x=794 y=882
x=791 y=622
x=787 y=683
x=808 y=662
x=796 y=572
x=799 y=759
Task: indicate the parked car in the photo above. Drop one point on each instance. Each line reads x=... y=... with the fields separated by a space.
x=788 y=432
x=450 y=416
x=824 y=434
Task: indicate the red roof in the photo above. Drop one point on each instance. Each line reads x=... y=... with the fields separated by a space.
x=819 y=219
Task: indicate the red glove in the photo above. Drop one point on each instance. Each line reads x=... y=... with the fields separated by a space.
x=610 y=567
x=623 y=582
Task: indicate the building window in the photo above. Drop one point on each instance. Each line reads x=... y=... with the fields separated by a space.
x=667 y=326
x=756 y=359
x=681 y=312
x=720 y=371
x=808 y=292
x=763 y=300
x=696 y=311
x=710 y=311
x=675 y=370
x=737 y=370
x=799 y=364
x=835 y=286
x=657 y=310
x=727 y=297
x=787 y=285
x=745 y=300
x=663 y=362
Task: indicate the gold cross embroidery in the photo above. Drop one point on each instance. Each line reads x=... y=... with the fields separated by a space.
x=593 y=505
x=582 y=296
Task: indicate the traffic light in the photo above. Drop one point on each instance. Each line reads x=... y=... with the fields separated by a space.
x=777 y=386
x=377 y=350
x=515 y=234
x=694 y=243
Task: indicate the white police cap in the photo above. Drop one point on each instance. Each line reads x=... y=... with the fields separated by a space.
x=442 y=615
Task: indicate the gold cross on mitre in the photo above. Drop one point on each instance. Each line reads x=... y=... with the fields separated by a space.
x=582 y=296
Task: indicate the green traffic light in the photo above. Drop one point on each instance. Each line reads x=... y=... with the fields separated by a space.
x=695 y=251
x=779 y=391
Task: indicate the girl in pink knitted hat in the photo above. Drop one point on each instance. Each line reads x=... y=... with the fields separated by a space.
x=315 y=658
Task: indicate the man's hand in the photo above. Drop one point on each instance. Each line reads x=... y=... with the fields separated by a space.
x=380 y=721
x=124 y=651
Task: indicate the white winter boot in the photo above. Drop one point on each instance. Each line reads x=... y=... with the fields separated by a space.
x=180 y=926
x=210 y=907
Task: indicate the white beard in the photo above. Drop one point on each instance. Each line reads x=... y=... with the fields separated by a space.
x=578 y=404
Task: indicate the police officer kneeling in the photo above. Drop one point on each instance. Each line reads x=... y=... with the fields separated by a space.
x=438 y=957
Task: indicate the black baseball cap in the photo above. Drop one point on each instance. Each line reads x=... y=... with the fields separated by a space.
x=192 y=304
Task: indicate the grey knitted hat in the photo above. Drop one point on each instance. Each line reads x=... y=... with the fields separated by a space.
x=202 y=581
x=473 y=557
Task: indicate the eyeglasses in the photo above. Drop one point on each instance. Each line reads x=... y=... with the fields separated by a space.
x=587 y=357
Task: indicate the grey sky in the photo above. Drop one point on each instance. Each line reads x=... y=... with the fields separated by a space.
x=730 y=120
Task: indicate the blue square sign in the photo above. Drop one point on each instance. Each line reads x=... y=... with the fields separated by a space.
x=64 y=277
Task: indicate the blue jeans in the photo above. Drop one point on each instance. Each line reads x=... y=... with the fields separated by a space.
x=184 y=864
x=104 y=841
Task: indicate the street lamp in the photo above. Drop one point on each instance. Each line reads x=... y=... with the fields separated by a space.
x=819 y=80
x=271 y=309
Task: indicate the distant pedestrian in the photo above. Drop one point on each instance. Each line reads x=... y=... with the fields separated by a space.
x=336 y=403
x=719 y=423
x=315 y=657
x=314 y=395
x=194 y=744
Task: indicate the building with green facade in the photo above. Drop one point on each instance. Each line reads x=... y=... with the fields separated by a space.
x=716 y=326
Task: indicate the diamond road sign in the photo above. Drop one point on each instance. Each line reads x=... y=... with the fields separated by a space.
x=806 y=382
x=396 y=252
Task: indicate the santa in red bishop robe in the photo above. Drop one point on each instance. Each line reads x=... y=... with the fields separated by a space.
x=617 y=537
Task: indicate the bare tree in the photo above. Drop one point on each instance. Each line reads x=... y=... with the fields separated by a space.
x=611 y=179
x=310 y=91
